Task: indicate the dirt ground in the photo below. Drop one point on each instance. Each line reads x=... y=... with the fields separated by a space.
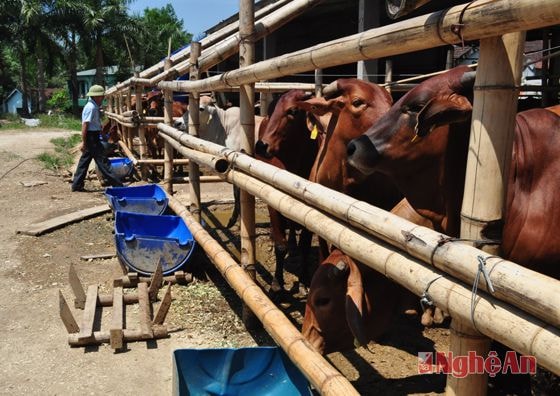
x=36 y=357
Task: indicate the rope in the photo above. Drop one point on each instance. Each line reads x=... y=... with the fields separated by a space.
x=478 y=243
x=27 y=159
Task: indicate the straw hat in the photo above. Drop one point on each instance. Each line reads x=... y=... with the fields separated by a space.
x=96 y=90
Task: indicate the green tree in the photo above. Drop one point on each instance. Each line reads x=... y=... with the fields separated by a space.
x=161 y=31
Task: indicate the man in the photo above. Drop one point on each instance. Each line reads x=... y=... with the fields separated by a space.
x=92 y=147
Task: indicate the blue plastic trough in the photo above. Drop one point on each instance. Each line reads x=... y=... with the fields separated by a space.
x=144 y=240
x=244 y=371
x=147 y=199
x=121 y=167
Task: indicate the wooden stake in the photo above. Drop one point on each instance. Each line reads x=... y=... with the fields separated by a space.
x=163 y=308
x=86 y=330
x=155 y=282
x=77 y=288
x=66 y=315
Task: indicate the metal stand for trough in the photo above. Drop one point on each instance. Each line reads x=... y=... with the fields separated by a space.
x=150 y=328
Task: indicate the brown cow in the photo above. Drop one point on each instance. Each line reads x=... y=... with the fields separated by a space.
x=431 y=171
x=286 y=142
x=354 y=106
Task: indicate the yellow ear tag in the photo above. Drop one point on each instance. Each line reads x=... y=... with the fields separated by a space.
x=314 y=132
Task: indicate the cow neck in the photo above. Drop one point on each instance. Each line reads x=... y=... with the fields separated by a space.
x=299 y=151
x=328 y=169
x=434 y=186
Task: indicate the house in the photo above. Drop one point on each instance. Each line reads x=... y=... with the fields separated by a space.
x=14 y=102
x=86 y=80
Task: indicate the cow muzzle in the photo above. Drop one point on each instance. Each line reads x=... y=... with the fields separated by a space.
x=362 y=154
x=261 y=149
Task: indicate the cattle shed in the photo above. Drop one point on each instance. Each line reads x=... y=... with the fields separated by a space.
x=316 y=42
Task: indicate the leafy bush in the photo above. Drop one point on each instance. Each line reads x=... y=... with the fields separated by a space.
x=60 y=101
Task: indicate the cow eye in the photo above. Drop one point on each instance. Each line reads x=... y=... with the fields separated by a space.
x=292 y=112
x=322 y=301
x=357 y=102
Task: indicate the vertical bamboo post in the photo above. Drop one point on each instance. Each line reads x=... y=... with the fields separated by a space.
x=491 y=141
x=247 y=118
x=168 y=150
x=388 y=74
x=318 y=82
x=138 y=90
x=194 y=123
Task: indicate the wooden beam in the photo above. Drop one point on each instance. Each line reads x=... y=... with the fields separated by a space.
x=145 y=310
x=37 y=229
x=117 y=322
x=155 y=282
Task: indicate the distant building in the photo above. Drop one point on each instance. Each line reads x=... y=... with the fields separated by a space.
x=14 y=103
x=86 y=80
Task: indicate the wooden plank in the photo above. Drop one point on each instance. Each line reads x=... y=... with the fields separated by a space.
x=77 y=288
x=57 y=222
x=66 y=315
x=88 y=318
x=117 y=322
x=155 y=282
x=161 y=311
x=145 y=310
x=98 y=256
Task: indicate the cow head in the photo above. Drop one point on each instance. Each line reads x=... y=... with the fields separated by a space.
x=354 y=104
x=348 y=305
x=155 y=103
x=285 y=124
x=400 y=135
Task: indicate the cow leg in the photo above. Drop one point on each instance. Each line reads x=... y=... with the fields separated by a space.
x=278 y=236
x=307 y=268
x=236 y=207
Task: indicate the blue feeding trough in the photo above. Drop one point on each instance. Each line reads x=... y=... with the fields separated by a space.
x=147 y=199
x=143 y=241
x=236 y=371
x=121 y=167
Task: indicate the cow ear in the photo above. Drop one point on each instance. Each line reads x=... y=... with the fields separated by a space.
x=355 y=315
x=442 y=111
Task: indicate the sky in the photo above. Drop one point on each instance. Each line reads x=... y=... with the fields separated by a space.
x=197 y=15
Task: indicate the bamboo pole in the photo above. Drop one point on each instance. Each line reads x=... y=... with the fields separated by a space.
x=223 y=44
x=247 y=122
x=320 y=373
x=493 y=318
x=488 y=162
x=194 y=124
x=141 y=128
x=168 y=151
x=478 y=20
x=388 y=75
x=533 y=292
x=179 y=161
x=127 y=152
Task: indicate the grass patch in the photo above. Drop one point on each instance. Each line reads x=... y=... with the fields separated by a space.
x=62 y=158
x=62 y=121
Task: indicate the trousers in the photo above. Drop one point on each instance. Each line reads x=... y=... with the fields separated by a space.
x=94 y=150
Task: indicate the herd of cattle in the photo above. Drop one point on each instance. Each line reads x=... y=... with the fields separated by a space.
x=407 y=157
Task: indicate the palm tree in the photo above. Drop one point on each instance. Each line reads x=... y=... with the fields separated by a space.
x=104 y=18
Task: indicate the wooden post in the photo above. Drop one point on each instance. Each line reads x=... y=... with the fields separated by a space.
x=194 y=124
x=247 y=118
x=388 y=74
x=168 y=150
x=492 y=131
x=141 y=128
x=318 y=82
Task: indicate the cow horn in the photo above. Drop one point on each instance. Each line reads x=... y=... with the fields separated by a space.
x=467 y=79
x=331 y=90
x=338 y=270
